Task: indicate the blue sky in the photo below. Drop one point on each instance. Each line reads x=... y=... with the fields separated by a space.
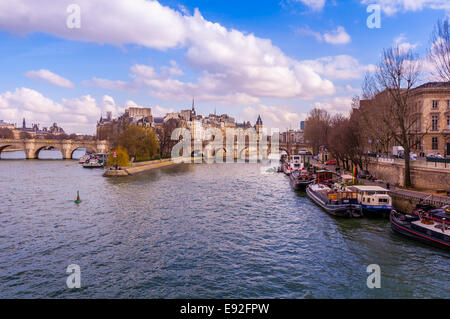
x=275 y=58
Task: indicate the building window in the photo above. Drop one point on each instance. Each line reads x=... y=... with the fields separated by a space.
x=448 y=104
x=448 y=122
x=434 y=123
x=434 y=143
x=435 y=104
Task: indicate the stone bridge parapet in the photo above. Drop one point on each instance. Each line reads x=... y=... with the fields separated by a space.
x=32 y=147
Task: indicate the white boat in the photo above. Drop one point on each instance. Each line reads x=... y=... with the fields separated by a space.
x=374 y=200
x=84 y=158
x=97 y=161
x=294 y=163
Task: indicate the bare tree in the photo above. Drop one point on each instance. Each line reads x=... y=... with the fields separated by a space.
x=397 y=74
x=316 y=128
x=439 y=52
x=165 y=136
x=378 y=133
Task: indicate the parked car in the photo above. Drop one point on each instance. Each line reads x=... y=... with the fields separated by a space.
x=435 y=156
x=364 y=174
x=332 y=162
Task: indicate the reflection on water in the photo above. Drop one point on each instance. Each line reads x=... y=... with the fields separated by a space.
x=204 y=231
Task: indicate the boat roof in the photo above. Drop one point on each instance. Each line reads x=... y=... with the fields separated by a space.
x=370 y=188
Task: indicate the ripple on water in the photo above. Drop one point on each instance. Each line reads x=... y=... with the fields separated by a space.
x=208 y=231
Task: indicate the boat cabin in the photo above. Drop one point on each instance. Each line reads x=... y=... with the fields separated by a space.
x=324 y=177
x=341 y=197
x=373 y=195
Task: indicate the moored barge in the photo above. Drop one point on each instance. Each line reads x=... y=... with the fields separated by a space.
x=337 y=202
x=423 y=229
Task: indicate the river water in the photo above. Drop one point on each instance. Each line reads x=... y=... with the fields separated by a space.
x=194 y=231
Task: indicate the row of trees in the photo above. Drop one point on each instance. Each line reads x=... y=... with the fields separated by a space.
x=138 y=142
x=388 y=114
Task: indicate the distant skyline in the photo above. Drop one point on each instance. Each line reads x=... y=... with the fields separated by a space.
x=278 y=59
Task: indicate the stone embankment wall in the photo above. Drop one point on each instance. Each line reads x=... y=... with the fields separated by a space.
x=139 y=168
x=421 y=177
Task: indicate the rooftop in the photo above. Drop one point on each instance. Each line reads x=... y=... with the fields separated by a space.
x=370 y=188
x=434 y=85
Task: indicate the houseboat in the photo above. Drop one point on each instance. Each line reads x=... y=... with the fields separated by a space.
x=300 y=179
x=336 y=201
x=432 y=212
x=374 y=200
x=96 y=161
x=430 y=231
x=293 y=163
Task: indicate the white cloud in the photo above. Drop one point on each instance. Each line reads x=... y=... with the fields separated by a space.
x=351 y=89
x=159 y=111
x=309 y=32
x=117 y=22
x=338 y=36
x=281 y=117
x=335 y=105
x=315 y=5
x=342 y=67
x=50 y=77
x=234 y=67
x=403 y=44
x=74 y=115
x=391 y=7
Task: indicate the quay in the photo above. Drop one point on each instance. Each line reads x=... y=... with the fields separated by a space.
x=139 y=168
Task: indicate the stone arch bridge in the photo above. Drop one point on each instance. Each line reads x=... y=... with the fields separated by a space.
x=32 y=147
x=295 y=148
x=245 y=152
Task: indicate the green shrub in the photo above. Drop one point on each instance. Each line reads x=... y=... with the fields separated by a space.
x=122 y=159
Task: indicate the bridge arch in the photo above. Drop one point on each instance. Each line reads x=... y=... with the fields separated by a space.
x=20 y=149
x=47 y=148
x=3 y=147
x=32 y=147
x=89 y=150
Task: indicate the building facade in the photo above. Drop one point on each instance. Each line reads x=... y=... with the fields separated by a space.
x=430 y=109
x=432 y=103
x=7 y=125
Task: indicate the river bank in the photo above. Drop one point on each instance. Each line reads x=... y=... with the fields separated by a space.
x=137 y=168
